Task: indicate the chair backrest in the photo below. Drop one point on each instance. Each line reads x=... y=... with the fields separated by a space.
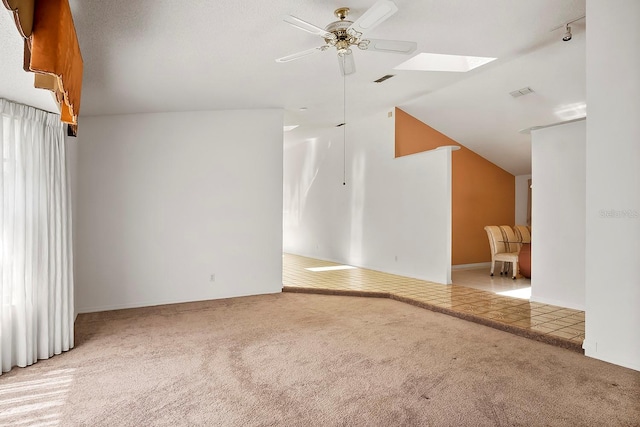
x=495 y=239
x=509 y=236
x=523 y=234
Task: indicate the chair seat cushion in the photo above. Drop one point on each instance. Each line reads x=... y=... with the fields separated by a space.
x=507 y=256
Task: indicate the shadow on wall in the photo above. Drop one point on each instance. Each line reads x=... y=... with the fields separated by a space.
x=358 y=200
x=314 y=222
x=296 y=191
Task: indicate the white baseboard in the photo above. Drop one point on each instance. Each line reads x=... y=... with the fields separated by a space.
x=557 y=303
x=471 y=266
x=143 y=304
x=592 y=351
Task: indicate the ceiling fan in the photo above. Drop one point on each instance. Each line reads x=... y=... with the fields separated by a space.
x=343 y=34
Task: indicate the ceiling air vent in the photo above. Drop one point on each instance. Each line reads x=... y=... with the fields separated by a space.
x=520 y=92
x=383 y=78
x=341 y=124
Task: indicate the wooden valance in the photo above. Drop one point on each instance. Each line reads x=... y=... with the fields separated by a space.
x=51 y=50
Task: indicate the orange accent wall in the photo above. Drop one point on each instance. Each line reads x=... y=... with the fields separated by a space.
x=482 y=193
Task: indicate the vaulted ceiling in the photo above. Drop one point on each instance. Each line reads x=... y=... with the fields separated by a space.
x=160 y=55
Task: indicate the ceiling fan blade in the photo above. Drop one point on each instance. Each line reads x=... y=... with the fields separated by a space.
x=377 y=14
x=305 y=26
x=392 y=46
x=302 y=54
x=347 y=64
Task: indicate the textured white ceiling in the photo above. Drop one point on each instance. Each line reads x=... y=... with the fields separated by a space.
x=161 y=55
x=15 y=84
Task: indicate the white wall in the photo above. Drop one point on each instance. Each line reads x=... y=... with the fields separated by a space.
x=166 y=200
x=316 y=204
x=394 y=215
x=613 y=182
x=522 y=194
x=558 y=215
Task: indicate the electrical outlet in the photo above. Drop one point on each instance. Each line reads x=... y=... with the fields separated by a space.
x=212 y=278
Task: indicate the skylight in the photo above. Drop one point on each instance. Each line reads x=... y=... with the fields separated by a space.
x=440 y=62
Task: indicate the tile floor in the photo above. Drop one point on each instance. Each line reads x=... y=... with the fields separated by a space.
x=554 y=325
x=479 y=278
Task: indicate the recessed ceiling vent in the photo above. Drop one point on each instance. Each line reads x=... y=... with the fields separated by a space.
x=520 y=92
x=383 y=78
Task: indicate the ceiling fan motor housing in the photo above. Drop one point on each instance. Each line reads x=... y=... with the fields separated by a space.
x=344 y=39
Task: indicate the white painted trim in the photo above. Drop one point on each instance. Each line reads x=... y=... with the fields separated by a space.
x=589 y=351
x=446 y=147
x=319 y=258
x=145 y=304
x=471 y=266
x=533 y=128
x=367 y=267
x=588 y=347
x=556 y=302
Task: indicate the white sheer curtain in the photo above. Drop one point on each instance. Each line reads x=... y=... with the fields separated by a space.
x=36 y=274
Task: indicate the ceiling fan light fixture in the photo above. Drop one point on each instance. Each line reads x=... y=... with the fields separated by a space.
x=353 y=33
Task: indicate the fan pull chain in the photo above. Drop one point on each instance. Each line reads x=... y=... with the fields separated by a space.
x=344 y=121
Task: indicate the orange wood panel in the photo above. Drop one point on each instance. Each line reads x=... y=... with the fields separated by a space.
x=55 y=53
x=482 y=193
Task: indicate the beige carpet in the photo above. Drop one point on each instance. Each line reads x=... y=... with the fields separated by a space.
x=311 y=360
